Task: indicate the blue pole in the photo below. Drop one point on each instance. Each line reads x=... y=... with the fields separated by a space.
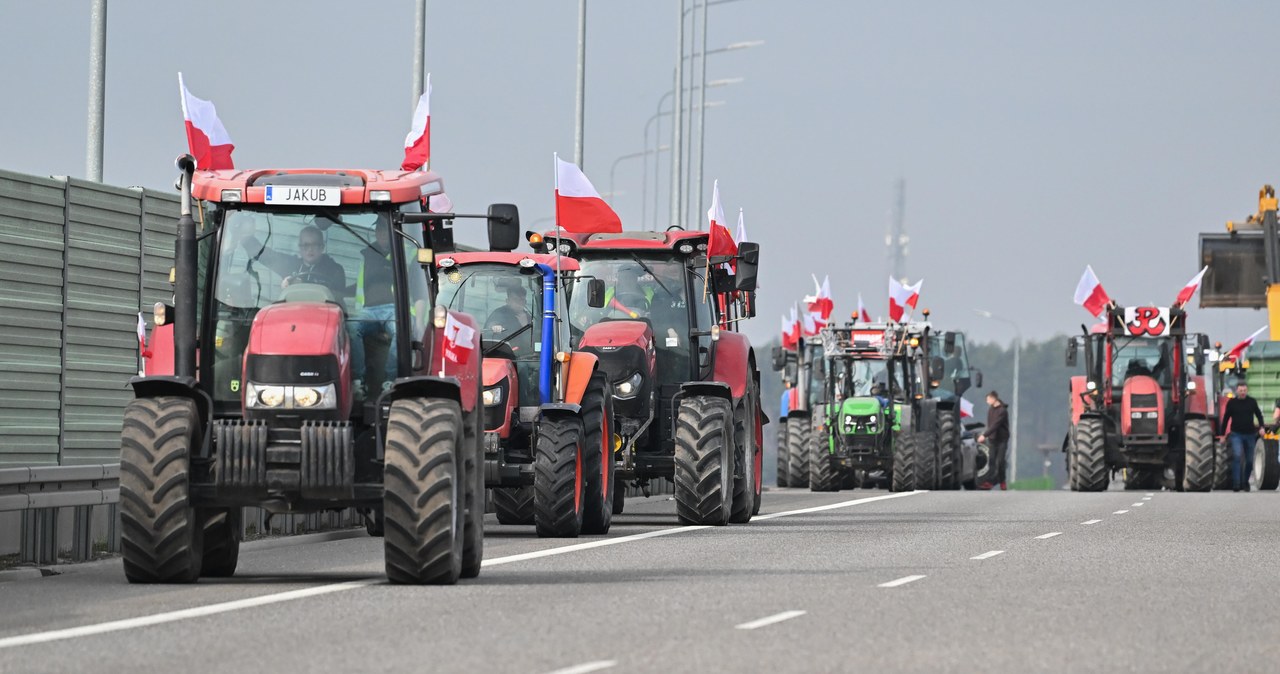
x=546 y=360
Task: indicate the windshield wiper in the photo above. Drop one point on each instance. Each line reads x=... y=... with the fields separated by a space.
x=508 y=338
x=649 y=269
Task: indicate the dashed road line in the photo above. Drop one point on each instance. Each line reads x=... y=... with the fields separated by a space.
x=769 y=620
x=1119 y=512
x=587 y=667
x=1051 y=534
x=988 y=555
x=1139 y=504
x=1146 y=498
x=901 y=581
x=1091 y=522
x=1148 y=494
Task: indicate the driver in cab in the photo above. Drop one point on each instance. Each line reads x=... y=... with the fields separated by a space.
x=511 y=317
x=311 y=265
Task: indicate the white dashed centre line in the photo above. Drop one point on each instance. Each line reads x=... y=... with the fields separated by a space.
x=901 y=581
x=1146 y=498
x=1091 y=522
x=988 y=555
x=1139 y=504
x=1149 y=494
x=769 y=620
x=1051 y=534
x=1119 y=512
x=587 y=667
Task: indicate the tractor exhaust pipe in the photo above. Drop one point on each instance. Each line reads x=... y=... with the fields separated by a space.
x=185 y=264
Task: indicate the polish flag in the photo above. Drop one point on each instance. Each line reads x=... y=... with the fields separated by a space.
x=1090 y=295
x=1188 y=291
x=1237 y=351
x=439 y=203
x=579 y=207
x=459 y=340
x=966 y=409
x=142 y=337
x=417 y=145
x=207 y=139
x=901 y=298
x=821 y=303
x=791 y=331
x=862 y=311
x=742 y=228
x=721 y=240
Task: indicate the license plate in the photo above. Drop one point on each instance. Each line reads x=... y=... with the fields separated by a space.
x=301 y=195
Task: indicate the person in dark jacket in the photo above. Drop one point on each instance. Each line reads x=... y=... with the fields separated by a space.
x=997 y=438
x=1241 y=413
x=310 y=265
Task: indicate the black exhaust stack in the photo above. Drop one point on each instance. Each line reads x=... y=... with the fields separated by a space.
x=185 y=264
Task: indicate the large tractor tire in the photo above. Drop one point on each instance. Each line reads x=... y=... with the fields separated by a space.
x=704 y=460
x=474 y=497
x=598 y=463
x=1266 y=466
x=1198 y=438
x=784 y=466
x=513 y=505
x=949 y=459
x=984 y=467
x=559 y=477
x=746 y=482
x=926 y=459
x=904 y=462
x=222 y=533
x=798 y=451
x=161 y=532
x=1222 y=465
x=424 y=492
x=1090 y=451
x=823 y=475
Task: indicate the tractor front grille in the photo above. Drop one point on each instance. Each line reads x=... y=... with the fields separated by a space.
x=1144 y=401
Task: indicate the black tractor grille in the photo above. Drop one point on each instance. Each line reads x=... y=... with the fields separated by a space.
x=1144 y=426
x=1146 y=401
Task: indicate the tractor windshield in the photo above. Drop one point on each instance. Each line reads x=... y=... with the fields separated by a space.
x=649 y=288
x=867 y=377
x=1135 y=357
x=508 y=302
x=335 y=256
x=954 y=365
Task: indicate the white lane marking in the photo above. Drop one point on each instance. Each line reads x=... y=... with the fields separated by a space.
x=586 y=667
x=901 y=581
x=1139 y=504
x=1051 y=534
x=988 y=555
x=769 y=620
x=842 y=504
x=1119 y=512
x=291 y=595
x=1148 y=494
x=1146 y=498
x=1091 y=522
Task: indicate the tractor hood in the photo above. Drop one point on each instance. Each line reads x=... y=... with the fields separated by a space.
x=861 y=406
x=296 y=329
x=611 y=335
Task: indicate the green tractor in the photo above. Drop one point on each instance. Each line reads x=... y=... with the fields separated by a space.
x=891 y=410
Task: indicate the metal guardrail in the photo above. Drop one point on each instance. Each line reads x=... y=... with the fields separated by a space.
x=59 y=486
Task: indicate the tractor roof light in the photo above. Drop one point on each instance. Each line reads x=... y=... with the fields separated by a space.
x=232 y=196
x=526 y=263
x=534 y=239
x=379 y=195
x=447 y=262
x=686 y=248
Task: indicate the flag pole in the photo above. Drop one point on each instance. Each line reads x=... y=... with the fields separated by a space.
x=556 y=158
x=426 y=165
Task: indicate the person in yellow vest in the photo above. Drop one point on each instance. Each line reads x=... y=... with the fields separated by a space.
x=376 y=315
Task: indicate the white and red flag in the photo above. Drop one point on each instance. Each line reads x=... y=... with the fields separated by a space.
x=439 y=203
x=742 y=228
x=902 y=298
x=791 y=331
x=821 y=303
x=579 y=207
x=417 y=145
x=721 y=240
x=862 y=311
x=966 y=409
x=1090 y=294
x=459 y=340
x=1188 y=291
x=1237 y=351
x=142 y=337
x=809 y=325
x=207 y=138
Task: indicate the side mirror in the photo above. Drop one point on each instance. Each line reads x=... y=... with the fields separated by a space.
x=748 y=265
x=949 y=344
x=504 y=227
x=779 y=358
x=976 y=375
x=1073 y=349
x=595 y=293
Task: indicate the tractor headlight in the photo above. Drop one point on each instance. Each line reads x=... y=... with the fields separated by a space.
x=1135 y=415
x=265 y=396
x=290 y=397
x=629 y=387
x=491 y=396
x=315 y=397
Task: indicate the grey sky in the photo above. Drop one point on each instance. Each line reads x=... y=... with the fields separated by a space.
x=1034 y=137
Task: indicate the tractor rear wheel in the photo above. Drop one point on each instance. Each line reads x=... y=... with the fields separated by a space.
x=598 y=463
x=1222 y=465
x=704 y=460
x=784 y=466
x=221 y=542
x=161 y=533
x=513 y=505
x=926 y=459
x=949 y=460
x=1090 y=452
x=745 y=496
x=1198 y=438
x=424 y=492
x=798 y=451
x=904 y=461
x=474 y=497
x=559 y=477
x=823 y=475
x=1266 y=466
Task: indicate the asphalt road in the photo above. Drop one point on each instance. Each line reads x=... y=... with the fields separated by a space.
x=854 y=581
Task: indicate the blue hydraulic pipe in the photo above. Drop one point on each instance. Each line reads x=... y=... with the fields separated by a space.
x=546 y=360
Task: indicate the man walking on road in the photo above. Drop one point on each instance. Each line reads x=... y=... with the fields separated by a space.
x=1238 y=418
x=997 y=438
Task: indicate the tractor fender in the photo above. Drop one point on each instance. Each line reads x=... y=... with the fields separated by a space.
x=559 y=410
x=1077 y=393
x=1197 y=400
x=449 y=388
x=178 y=387
x=713 y=389
x=928 y=420
x=733 y=362
x=465 y=371
x=581 y=366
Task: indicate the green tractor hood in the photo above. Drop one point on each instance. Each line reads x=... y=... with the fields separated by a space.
x=864 y=407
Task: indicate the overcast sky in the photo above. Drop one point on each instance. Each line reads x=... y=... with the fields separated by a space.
x=1034 y=138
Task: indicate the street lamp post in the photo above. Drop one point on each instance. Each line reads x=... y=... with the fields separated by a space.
x=1013 y=418
x=658 y=114
x=97 y=88
x=643 y=153
x=703 y=84
x=582 y=84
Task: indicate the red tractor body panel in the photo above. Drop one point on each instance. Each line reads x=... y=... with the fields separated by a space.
x=733 y=358
x=618 y=334
x=1078 y=391
x=565 y=263
x=466 y=372
x=494 y=372
x=1143 y=396
x=403 y=186
x=296 y=329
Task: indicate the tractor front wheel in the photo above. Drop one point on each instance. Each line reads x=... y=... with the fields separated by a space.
x=704 y=460
x=1266 y=466
x=798 y=451
x=559 y=482
x=1198 y=438
x=904 y=462
x=1089 y=450
x=784 y=466
x=597 y=424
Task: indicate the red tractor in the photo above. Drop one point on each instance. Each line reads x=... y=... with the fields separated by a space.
x=304 y=366
x=1141 y=404
x=686 y=386
x=547 y=409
